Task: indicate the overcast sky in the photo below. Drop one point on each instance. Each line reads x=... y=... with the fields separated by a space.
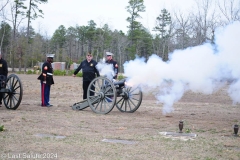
x=111 y=12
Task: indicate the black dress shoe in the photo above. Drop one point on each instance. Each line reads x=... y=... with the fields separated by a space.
x=49 y=105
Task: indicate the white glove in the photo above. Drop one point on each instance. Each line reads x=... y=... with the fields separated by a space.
x=44 y=82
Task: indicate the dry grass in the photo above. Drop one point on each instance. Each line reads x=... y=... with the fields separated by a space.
x=210 y=117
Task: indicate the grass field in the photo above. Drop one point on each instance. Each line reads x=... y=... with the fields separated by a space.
x=58 y=132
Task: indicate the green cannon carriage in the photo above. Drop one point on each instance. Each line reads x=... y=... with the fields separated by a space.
x=11 y=88
x=103 y=95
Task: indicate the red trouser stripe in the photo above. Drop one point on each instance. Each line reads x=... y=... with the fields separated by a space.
x=43 y=91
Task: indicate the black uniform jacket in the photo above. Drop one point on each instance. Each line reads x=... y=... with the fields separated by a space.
x=89 y=70
x=3 y=67
x=47 y=71
x=115 y=67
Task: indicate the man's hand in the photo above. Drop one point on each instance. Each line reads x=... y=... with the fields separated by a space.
x=74 y=75
x=44 y=82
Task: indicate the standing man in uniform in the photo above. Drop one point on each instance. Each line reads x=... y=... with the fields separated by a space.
x=110 y=60
x=89 y=71
x=46 y=80
x=3 y=74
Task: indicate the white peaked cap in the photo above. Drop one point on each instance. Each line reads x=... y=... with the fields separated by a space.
x=50 y=55
x=109 y=54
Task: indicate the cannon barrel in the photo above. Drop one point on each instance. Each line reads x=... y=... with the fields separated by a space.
x=120 y=83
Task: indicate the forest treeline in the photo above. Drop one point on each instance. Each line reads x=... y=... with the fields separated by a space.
x=23 y=47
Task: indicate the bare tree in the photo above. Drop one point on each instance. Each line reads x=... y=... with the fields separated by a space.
x=3 y=5
x=182 y=27
x=33 y=12
x=17 y=14
x=214 y=22
x=201 y=20
x=3 y=15
x=230 y=10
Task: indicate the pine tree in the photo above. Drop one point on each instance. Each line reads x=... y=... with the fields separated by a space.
x=163 y=22
x=134 y=34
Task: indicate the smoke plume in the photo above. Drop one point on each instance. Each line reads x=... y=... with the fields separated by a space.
x=105 y=69
x=202 y=69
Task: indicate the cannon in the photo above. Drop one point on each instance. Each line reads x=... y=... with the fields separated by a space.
x=103 y=94
x=11 y=89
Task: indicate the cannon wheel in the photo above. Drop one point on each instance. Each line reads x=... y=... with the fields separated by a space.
x=13 y=98
x=129 y=99
x=103 y=96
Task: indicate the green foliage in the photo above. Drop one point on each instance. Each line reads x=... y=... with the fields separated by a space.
x=79 y=74
x=135 y=7
x=34 y=12
x=68 y=60
x=59 y=73
x=5 y=34
x=132 y=51
x=163 y=27
x=145 y=43
x=90 y=34
x=19 y=4
x=188 y=130
x=121 y=77
x=66 y=73
x=200 y=130
x=81 y=34
x=59 y=36
x=55 y=73
x=20 y=72
x=70 y=73
x=2 y=128
x=29 y=72
x=163 y=23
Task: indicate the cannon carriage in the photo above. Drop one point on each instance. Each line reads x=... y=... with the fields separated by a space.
x=11 y=89
x=103 y=95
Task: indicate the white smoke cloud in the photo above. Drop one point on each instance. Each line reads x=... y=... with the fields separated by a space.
x=105 y=69
x=202 y=69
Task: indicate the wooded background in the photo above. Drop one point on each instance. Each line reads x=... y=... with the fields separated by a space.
x=23 y=47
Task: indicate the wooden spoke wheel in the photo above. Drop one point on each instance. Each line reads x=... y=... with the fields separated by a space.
x=101 y=95
x=129 y=99
x=13 y=96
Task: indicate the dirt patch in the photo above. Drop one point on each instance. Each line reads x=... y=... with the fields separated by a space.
x=87 y=135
